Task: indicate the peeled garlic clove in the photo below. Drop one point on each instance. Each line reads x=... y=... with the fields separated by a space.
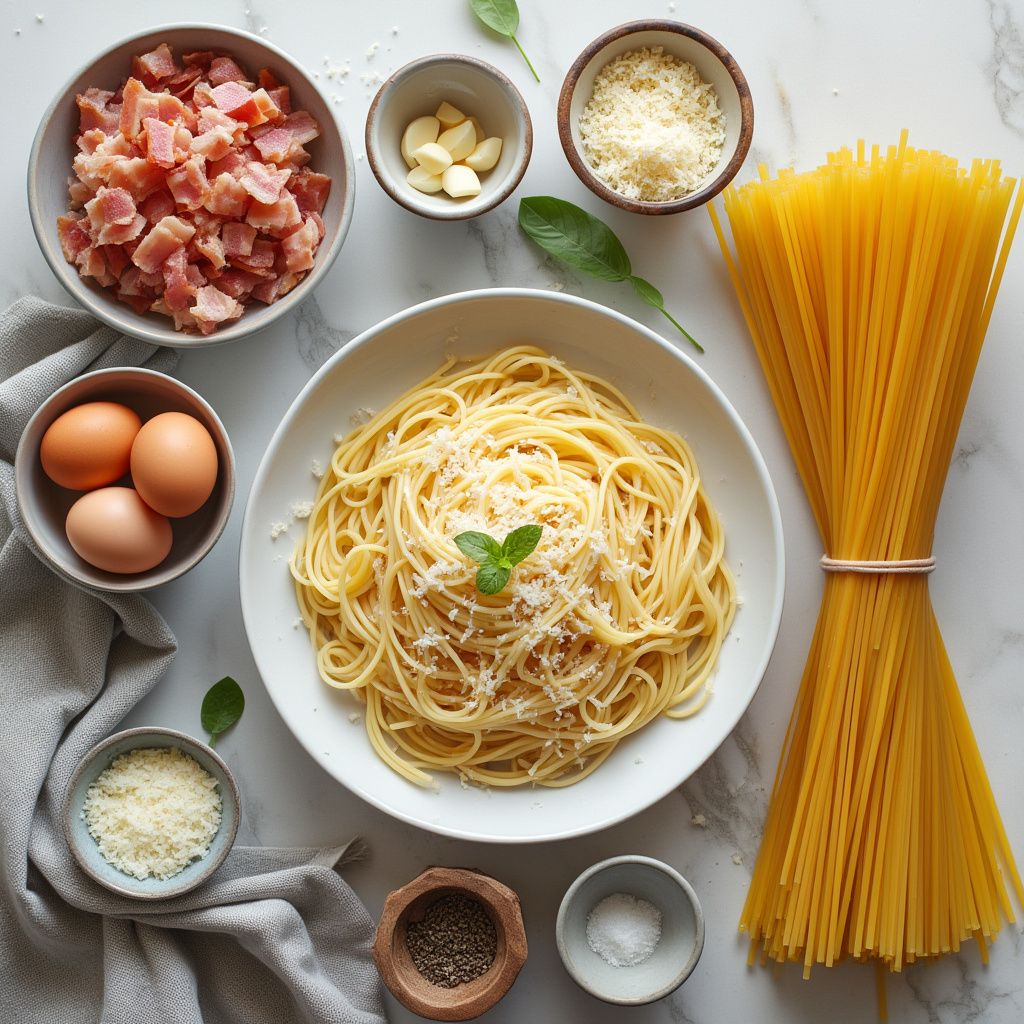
x=419 y=133
x=434 y=159
x=485 y=156
x=423 y=181
x=480 y=133
x=449 y=116
x=460 y=141
x=460 y=181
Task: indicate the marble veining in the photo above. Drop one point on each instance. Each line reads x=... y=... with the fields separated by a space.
x=1007 y=63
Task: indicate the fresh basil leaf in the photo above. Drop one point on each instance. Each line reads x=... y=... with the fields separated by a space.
x=222 y=707
x=521 y=542
x=574 y=236
x=503 y=17
x=491 y=578
x=478 y=546
x=654 y=298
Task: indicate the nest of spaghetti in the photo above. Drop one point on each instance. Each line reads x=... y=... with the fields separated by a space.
x=616 y=618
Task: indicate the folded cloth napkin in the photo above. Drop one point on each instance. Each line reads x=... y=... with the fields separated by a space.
x=275 y=935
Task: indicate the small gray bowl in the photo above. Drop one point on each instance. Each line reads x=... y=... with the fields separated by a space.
x=479 y=90
x=84 y=847
x=44 y=505
x=677 y=952
x=54 y=148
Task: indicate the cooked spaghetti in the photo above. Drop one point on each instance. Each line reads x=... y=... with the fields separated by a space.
x=867 y=286
x=616 y=618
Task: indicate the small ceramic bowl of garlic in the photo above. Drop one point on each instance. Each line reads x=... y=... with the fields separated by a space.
x=448 y=137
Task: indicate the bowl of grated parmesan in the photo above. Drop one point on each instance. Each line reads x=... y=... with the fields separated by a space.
x=151 y=813
x=655 y=117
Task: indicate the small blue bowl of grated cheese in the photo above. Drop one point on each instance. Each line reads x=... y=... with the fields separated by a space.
x=151 y=813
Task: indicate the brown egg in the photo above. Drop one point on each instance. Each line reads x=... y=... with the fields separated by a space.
x=90 y=445
x=115 y=530
x=174 y=464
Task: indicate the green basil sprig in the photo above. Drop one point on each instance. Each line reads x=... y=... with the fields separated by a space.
x=578 y=238
x=222 y=707
x=503 y=17
x=496 y=560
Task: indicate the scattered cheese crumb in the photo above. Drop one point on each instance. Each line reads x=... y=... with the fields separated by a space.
x=371 y=50
x=354 y=717
x=316 y=469
x=301 y=509
x=276 y=529
x=39 y=18
x=737 y=858
x=699 y=821
x=652 y=129
x=153 y=811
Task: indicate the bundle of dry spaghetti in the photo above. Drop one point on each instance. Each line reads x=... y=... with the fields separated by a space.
x=867 y=285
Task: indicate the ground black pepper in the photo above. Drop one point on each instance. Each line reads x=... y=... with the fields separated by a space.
x=455 y=941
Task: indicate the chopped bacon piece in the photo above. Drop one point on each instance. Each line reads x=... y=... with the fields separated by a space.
x=262 y=257
x=138 y=104
x=95 y=111
x=263 y=183
x=273 y=289
x=89 y=140
x=137 y=175
x=92 y=264
x=298 y=247
x=224 y=69
x=214 y=143
x=157 y=64
x=237 y=238
x=119 y=234
x=212 y=248
x=227 y=197
x=234 y=163
x=275 y=218
x=159 y=142
x=110 y=206
x=274 y=145
x=266 y=79
x=116 y=259
x=131 y=281
x=214 y=307
x=158 y=206
x=302 y=126
x=188 y=184
x=182 y=83
x=237 y=283
x=266 y=110
x=173 y=110
x=282 y=98
x=236 y=101
x=310 y=190
x=164 y=237
x=202 y=95
x=212 y=117
x=178 y=290
x=201 y=59
x=74 y=239
x=79 y=193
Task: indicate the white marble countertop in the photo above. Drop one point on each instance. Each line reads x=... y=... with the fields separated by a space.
x=821 y=75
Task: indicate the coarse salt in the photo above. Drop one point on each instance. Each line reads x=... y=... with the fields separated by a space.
x=624 y=930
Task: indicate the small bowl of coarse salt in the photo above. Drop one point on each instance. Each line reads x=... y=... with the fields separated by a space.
x=151 y=813
x=655 y=117
x=630 y=930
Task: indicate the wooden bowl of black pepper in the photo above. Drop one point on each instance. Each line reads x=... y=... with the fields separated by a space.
x=450 y=943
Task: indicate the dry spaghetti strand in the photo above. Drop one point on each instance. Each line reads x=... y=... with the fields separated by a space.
x=867 y=286
x=617 y=618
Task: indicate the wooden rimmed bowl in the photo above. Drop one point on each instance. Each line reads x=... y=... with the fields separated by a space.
x=409 y=904
x=713 y=62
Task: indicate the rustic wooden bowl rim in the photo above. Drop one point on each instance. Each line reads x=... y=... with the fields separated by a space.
x=582 y=168
x=473 y=998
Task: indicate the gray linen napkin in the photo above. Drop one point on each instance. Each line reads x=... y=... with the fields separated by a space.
x=275 y=936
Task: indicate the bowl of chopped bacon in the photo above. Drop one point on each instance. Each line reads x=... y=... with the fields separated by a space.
x=190 y=185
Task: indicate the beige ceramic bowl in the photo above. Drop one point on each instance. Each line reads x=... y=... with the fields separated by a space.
x=44 y=505
x=54 y=149
x=478 y=90
x=713 y=62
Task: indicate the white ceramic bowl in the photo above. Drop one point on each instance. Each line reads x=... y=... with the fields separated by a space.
x=85 y=849
x=713 y=62
x=54 y=149
x=677 y=951
x=44 y=505
x=670 y=390
x=478 y=90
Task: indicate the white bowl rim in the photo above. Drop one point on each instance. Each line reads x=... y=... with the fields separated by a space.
x=387 y=181
x=573 y=892
x=143 y=581
x=656 y=791
x=139 y=328
x=186 y=741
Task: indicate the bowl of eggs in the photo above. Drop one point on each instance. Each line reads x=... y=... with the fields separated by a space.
x=125 y=479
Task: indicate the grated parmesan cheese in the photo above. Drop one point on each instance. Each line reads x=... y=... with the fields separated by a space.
x=652 y=129
x=153 y=811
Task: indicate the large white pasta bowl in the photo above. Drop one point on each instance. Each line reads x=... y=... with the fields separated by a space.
x=670 y=390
